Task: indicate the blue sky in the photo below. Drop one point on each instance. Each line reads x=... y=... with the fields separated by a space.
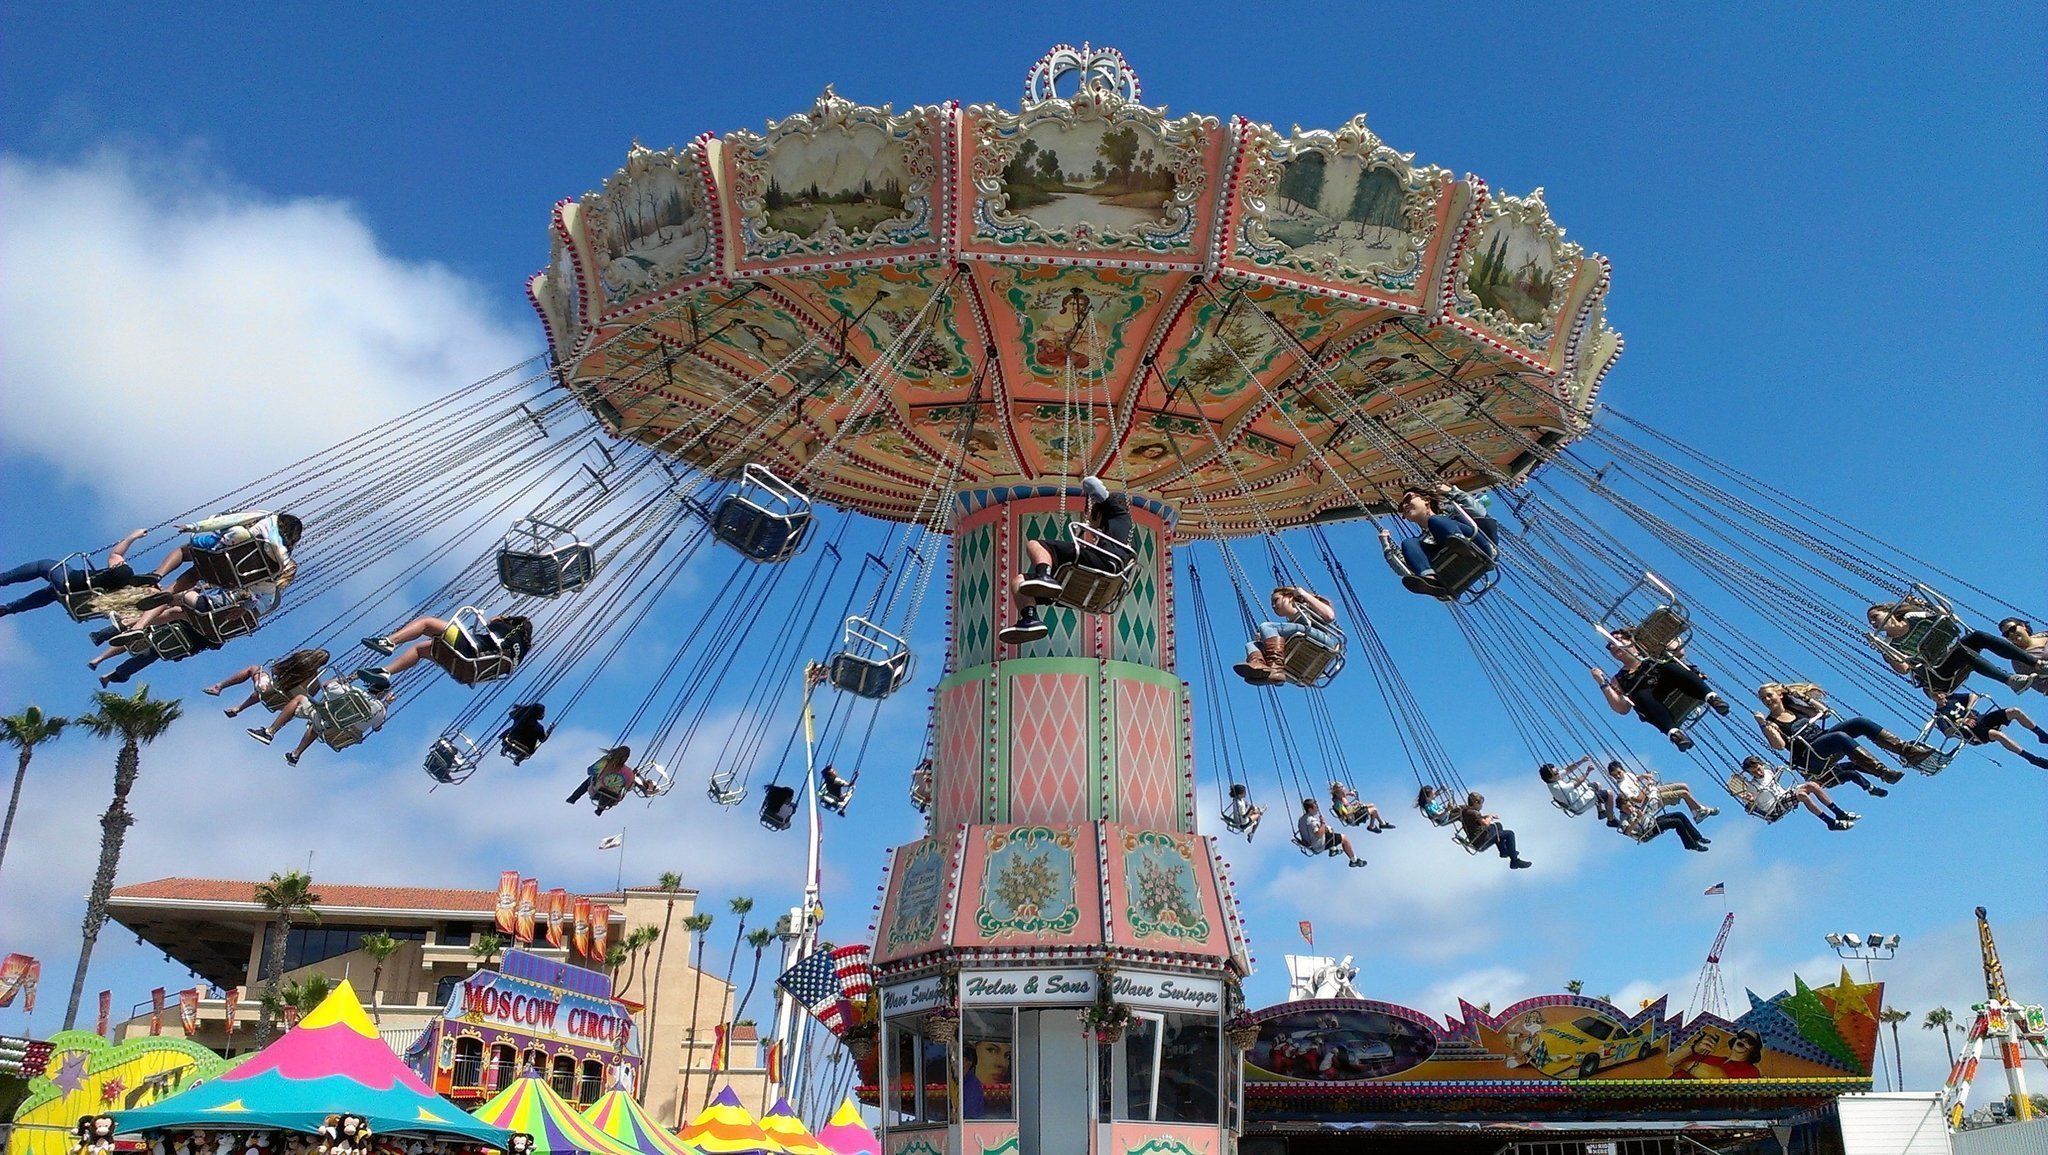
x=231 y=240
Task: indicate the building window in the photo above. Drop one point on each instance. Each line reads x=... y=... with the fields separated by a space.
x=504 y=1066
x=534 y=1061
x=563 y=1077
x=1166 y=1068
x=988 y=1049
x=469 y=1062
x=917 y=1075
x=444 y=988
x=456 y=934
x=590 y=1085
x=306 y=945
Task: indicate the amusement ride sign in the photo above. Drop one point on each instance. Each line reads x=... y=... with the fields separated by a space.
x=528 y=1007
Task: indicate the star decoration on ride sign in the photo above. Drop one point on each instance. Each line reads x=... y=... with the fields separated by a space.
x=70 y=1074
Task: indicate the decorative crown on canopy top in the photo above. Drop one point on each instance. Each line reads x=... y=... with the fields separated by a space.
x=1259 y=327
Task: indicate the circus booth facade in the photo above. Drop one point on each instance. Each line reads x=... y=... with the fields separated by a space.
x=532 y=1014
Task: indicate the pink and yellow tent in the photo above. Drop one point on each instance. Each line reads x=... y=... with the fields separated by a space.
x=725 y=1128
x=618 y=1115
x=847 y=1135
x=782 y=1125
x=529 y=1105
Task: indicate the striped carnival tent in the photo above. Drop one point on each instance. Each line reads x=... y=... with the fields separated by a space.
x=782 y=1125
x=725 y=1128
x=624 y=1119
x=529 y=1105
x=847 y=1135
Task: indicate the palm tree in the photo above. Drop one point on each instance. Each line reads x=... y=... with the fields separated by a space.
x=291 y=896
x=758 y=938
x=137 y=719
x=379 y=945
x=1939 y=1019
x=25 y=731
x=670 y=883
x=486 y=947
x=300 y=996
x=635 y=943
x=1895 y=1017
x=1574 y=986
x=696 y=925
x=740 y=906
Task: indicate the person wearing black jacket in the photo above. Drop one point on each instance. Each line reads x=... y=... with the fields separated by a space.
x=1109 y=514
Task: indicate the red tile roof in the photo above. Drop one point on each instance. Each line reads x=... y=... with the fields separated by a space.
x=331 y=894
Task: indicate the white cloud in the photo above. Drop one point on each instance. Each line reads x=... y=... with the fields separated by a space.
x=167 y=335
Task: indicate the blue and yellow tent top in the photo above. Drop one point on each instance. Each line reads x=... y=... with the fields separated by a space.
x=619 y=1116
x=529 y=1105
x=332 y=1063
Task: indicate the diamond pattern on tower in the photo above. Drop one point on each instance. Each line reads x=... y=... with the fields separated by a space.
x=956 y=785
x=974 y=596
x=1050 y=751
x=1135 y=633
x=1147 y=772
x=1067 y=636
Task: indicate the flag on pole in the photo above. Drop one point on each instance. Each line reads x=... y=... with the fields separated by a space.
x=850 y=966
x=230 y=1002
x=28 y=986
x=558 y=915
x=522 y=916
x=600 y=931
x=718 y=1046
x=613 y=841
x=1308 y=933
x=107 y=1012
x=508 y=900
x=814 y=982
x=774 y=1061
x=581 y=926
x=156 y=1011
x=1717 y=888
x=13 y=977
x=188 y=1010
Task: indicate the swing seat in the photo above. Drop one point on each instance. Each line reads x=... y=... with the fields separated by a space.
x=1333 y=849
x=1946 y=743
x=1463 y=566
x=1350 y=815
x=452 y=759
x=1658 y=629
x=609 y=788
x=1244 y=826
x=1464 y=840
x=172 y=641
x=225 y=624
x=1308 y=662
x=653 y=780
x=1583 y=794
x=1094 y=589
x=766 y=519
x=484 y=663
x=1769 y=807
x=778 y=807
x=78 y=596
x=543 y=560
x=723 y=789
x=1685 y=709
x=872 y=662
x=837 y=800
x=921 y=790
x=237 y=566
x=340 y=717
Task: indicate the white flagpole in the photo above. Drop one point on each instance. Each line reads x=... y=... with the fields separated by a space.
x=620 y=886
x=803 y=923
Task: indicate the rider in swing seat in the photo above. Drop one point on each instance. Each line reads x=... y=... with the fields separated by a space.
x=1315 y=835
x=1441 y=516
x=1109 y=514
x=1299 y=613
x=1641 y=685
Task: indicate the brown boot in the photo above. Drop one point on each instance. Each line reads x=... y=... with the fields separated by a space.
x=1254 y=668
x=1909 y=753
x=1867 y=762
x=1276 y=659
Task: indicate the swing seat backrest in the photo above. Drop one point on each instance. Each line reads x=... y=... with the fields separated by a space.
x=610 y=785
x=1463 y=566
x=723 y=791
x=78 y=596
x=1311 y=850
x=172 y=641
x=1235 y=824
x=542 y=560
x=778 y=807
x=341 y=717
x=1946 y=746
x=1463 y=839
x=485 y=661
x=1308 y=662
x=450 y=763
x=1929 y=641
x=1350 y=815
x=1768 y=806
x=1660 y=629
x=653 y=780
x=872 y=663
x=766 y=519
x=226 y=623
x=1096 y=588
x=237 y=566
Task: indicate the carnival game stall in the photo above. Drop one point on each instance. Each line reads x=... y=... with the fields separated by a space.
x=330 y=1085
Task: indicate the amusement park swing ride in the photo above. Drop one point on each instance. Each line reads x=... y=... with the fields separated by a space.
x=833 y=361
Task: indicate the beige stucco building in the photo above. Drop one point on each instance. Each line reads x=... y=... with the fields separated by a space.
x=216 y=930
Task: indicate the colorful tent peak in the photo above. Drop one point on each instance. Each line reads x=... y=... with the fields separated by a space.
x=783 y=1126
x=340 y=1007
x=618 y=1115
x=724 y=1127
x=845 y=1134
x=532 y=1107
x=335 y=1039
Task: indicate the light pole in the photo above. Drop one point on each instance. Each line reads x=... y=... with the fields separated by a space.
x=1870 y=948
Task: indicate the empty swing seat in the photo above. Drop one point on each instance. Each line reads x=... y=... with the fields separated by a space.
x=872 y=662
x=479 y=657
x=724 y=790
x=543 y=560
x=778 y=807
x=766 y=519
x=242 y=564
x=1463 y=566
x=452 y=759
x=1097 y=588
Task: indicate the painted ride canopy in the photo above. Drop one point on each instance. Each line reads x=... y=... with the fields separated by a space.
x=333 y=1062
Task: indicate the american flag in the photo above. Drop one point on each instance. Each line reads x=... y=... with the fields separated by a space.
x=855 y=978
x=814 y=982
